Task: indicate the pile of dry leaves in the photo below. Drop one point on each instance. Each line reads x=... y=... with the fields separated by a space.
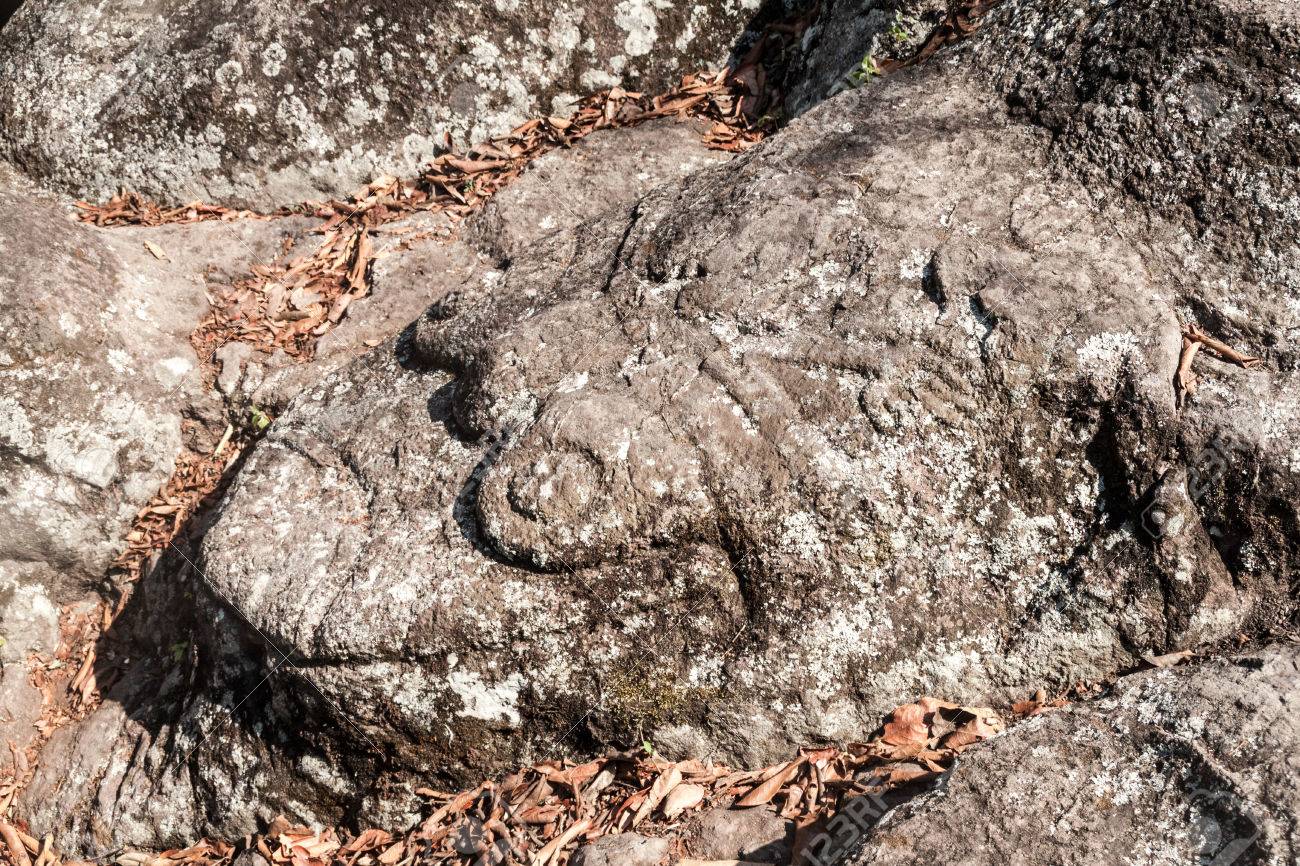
x=541 y=814
x=132 y=209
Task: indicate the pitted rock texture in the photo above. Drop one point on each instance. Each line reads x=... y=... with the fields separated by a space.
x=97 y=380
x=97 y=374
x=1190 y=765
x=1192 y=108
x=423 y=262
x=881 y=408
x=605 y=171
x=268 y=103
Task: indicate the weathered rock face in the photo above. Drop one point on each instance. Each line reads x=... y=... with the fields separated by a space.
x=97 y=374
x=421 y=259
x=848 y=38
x=603 y=172
x=873 y=411
x=97 y=380
x=96 y=776
x=1178 y=766
x=881 y=408
x=272 y=103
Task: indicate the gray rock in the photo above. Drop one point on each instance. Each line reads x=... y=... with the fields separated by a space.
x=250 y=858
x=755 y=835
x=1212 y=108
x=97 y=383
x=421 y=259
x=607 y=170
x=847 y=37
x=97 y=373
x=625 y=849
x=29 y=623
x=881 y=408
x=268 y=104
x=1189 y=765
x=771 y=388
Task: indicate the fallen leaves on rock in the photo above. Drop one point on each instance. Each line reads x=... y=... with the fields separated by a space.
x=961 y=22
x=69 y=692
x=194 y=479
x=539 y=815
x=289 y=306
x=132 y=209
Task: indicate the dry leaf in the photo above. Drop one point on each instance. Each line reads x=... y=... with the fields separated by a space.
x=667 y=781
x=681 y=798
x=764 y=791
x=906 y=726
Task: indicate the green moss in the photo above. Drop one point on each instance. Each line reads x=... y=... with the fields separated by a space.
x=643 y=697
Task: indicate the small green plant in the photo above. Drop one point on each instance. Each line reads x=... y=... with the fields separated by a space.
x=864 y=71
x=259 y=419
x=897 y=31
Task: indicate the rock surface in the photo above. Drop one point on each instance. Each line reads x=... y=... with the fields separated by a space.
x=268 y=104
x=754 y=835
x=1196 y=764
x=625 y=849
x=765 y=392
x=848 y=39
x=412 y=268
x=97 y=373
x=99 y=392
x=884 y=407
x=422 y=258
x=605 y=171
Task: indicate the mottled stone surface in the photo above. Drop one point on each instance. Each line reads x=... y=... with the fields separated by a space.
x=607 y=170
x=847 y=39
x=625 y=849
x=97 y=373
x=269 y=103
x=881 y=408
x=753 y=835
x=1190 y=765
x=96 y=377
x=420 y=259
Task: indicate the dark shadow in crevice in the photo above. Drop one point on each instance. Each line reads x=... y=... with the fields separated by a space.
x=7 y=10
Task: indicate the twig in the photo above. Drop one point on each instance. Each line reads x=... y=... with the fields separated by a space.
x=1185 y=379
x=1222 y=349
x=17 y=851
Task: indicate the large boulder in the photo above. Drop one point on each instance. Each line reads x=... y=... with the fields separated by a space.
x=271 y=103
x=1190 y=765
x=417 y=261
x=884 y=407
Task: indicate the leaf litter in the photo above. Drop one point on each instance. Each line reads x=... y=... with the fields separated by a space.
x=288 y=307
x=539 y=815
